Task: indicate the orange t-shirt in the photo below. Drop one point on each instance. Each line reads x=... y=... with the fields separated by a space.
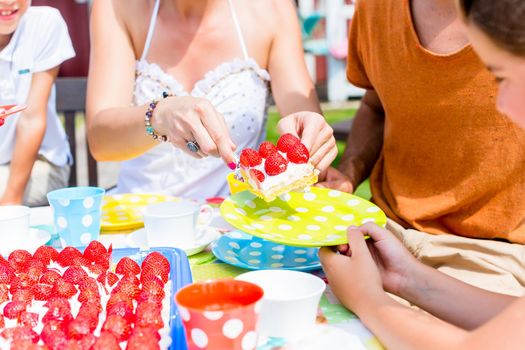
x=450 y=162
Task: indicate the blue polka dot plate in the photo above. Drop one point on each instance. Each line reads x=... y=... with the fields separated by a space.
x=249 y=252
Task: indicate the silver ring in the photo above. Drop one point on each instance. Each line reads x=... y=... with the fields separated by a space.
x=193 y=146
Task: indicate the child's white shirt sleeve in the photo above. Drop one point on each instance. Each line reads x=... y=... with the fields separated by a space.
x=52 y=44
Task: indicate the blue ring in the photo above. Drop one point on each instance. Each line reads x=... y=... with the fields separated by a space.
x=193 y=146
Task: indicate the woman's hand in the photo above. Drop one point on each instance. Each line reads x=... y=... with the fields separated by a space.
x=315 y=134
x=185 y=118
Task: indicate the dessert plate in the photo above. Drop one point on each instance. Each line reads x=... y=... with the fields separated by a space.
x=137 y=239
x=249 y=252
x=124 y=211
x=316 y=218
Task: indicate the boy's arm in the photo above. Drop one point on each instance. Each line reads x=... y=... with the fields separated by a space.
x=30 y=131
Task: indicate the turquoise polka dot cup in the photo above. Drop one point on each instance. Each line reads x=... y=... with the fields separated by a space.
x=76 y=214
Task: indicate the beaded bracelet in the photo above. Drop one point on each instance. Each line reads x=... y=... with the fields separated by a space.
x=147 y=119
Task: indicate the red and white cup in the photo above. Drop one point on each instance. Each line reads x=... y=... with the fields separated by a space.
x=220 y=314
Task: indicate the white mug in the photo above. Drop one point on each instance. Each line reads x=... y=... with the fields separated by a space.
x=290 y=301
x=14 y=227
x=176 y=224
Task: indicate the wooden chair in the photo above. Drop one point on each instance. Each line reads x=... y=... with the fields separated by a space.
x=70 y=101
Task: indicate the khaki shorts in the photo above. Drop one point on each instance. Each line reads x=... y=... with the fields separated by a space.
x=45 y=177
x=491 y=265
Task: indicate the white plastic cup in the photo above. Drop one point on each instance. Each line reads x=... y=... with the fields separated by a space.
x=290 y=301
x=176 y=224
x=14 y=227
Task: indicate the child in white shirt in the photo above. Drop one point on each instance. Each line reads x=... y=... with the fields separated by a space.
x=34 y=152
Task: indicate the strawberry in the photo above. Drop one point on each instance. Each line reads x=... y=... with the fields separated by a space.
x=13 y=309
x=146 y=332
x=6 y=274
x=131 y=279
x=275 y=164
x=112 y=279
x=19 y=260
x=22 y=281
x=122 y=309
x=266 y=148
x=78 y=328
x=89 y=294
x=49 y=277
x=74 y=274
x=42 y=291
x=298 y=154
x=19 y=334
x=97 y=269
x=155 y=264
x=24 y=344
x=90 y=309
x=88 y=283
x=256 y=174
x=152 y=290
x=52 y=333
x=148 y=315
x=24 y=295
x=250 y=158
x=62 y=288
x=59 y=310
x=117 y=325
x=28 y=319
x=2 y=321
x=127 y=288
x=46 y=254
x=35 y=269
x=67 y=256
x=106 y=341
x=140 y=342
x=286 y=142
x=119 y=297
x=3 y=261
x=96 y=253
x=87 y=341
x=4 y=293
x=127 y=266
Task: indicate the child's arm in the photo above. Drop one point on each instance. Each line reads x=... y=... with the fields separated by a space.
x=30 y=132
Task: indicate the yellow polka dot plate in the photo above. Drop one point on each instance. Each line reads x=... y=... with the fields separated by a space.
x=121 y=212
x=316 y=218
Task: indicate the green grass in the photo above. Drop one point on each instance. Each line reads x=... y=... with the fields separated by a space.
x=332 y=116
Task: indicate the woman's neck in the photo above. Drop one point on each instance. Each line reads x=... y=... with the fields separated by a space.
x=191 y=8
x=4 y=40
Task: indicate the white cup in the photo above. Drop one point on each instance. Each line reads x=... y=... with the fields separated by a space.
x=14 y=227
x=176 y=224
x=290 y=301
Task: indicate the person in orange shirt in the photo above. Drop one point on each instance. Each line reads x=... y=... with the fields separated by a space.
x=444 y=165
x=466 y=317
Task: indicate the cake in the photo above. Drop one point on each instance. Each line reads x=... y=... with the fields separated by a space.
x=74 y=300
x=273 y=170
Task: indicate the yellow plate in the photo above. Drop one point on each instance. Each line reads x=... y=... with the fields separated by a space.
x=124 y=211
x=305 y=219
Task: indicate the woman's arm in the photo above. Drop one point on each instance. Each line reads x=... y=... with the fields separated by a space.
x=293 y=89
x=30 y=131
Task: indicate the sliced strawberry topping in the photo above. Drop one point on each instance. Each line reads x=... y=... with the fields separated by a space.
x=250 y=158
x=78 y=328
x=148 y=315
x=155 y=264
x=62 y=288
x=2 y=321
x=53 y=333
x=42 y=291
x=87 y=341
x=139 y=341
x=22 y=281
x=74 y=274
x=4 y=293
x=58 y=310
x=119 y=297
x=127 y=266
x=112 y=279
x=117 y=325
x=19 y=260
x=35 y=270
x=20 y=334
x=122 y=309
x=6 y=273
x=286 y=142
x=24 y=295
x=89 y=294
x=49 y=277
x=106 y=341
x=28 y=319
x=46 y=254
x=256 y=174
x=266 y=148
x=275 y=164
x=13 y=309
x=127 y=288
x=298 y=154
x=96 y=253
x=68 y=256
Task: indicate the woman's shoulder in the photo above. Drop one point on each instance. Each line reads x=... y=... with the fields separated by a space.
x=270 y=14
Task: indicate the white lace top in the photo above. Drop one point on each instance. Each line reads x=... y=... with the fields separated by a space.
x=238 y=89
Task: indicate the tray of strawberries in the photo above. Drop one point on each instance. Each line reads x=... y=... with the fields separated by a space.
x=94 y=299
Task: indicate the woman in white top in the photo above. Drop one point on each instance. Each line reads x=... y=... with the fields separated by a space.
x=34 y=152
x=214 y=58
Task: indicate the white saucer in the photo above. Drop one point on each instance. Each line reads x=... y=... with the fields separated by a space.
x=37 y=237
x=137 y=239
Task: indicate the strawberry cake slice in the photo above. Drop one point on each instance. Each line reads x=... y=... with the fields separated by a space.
x=274 y=170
